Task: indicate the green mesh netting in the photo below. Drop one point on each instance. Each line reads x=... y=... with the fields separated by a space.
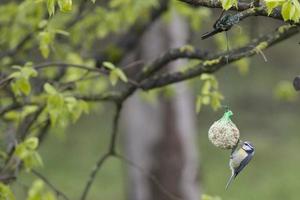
x=224 y=133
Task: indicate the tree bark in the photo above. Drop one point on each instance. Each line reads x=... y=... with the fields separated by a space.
x=160 y=138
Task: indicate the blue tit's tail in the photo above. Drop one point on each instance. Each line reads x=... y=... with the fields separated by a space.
x=209 y=34
x=229 y=181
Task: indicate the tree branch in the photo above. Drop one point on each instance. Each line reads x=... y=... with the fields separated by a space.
x=66 y=65
x=113 y=140
x=111 y=152
x=148 y=175
x=27 y=122
x=171 y=55
x=108 y=96
x=217 y=61
x=18 y=47
x=54 y=188
x=129 y=40
x=241 y=6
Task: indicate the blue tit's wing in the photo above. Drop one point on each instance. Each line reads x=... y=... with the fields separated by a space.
x=243 y=164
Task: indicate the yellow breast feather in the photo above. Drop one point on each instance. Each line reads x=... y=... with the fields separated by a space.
x=238 y=157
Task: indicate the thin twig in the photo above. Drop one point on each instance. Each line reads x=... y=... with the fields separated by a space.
x=149 y=175
x=5 y=81
x=113 y=140
x=5 y=178
x=66 y=65
x=54 y=188
x=103 y=158
x=220 y=59
x=93 y=174
x=79 y=66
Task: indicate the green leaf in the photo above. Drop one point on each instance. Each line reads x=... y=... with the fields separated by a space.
x=21 y=85
x=208 y=197
x=49 y=196
x=38 y=191
x=285 y=91
x=26 y=151
x=271 y=4
x=71 y=100
x=65 y=5
x=209 y=93
x=285 y=10
x=62 y=32
x=205 y=77
x=50 y=89
x=113 y=77
x=292 y=12
x=12 y=116
x=109 y=65
x=296 y=16
x=28 y=110
x=243 y=65
x=116 y=74
x=19 y=115
x=216 y=98
x=24 y=86
x=44 y=50
x=15 y=75
x=206 y=87
x=205 y=100
x=51 y=7
x=21 y=78
x=31 y=143
x=227 y=4
x=121 y=75
x=84 y=106
x=6 y=193
x=35 y=190
x=198 y=104
x=28 y=71
x=33 y=160
x=55 y=107
x=45 y=38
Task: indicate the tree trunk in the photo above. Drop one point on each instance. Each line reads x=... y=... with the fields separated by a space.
x=160 y=138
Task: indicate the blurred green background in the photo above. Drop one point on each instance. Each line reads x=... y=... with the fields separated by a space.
x=271 y=125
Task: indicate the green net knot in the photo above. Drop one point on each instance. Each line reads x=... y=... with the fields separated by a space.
x=228 y=113
x=223 y=133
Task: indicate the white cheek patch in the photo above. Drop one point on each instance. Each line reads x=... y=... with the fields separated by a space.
x=247 y=148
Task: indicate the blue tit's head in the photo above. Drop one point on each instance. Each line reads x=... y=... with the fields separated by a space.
x=248 y=147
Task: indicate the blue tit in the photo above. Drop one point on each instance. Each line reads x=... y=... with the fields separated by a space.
x=239 y=159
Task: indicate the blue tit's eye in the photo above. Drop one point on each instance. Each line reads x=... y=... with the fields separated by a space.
x=249 y=145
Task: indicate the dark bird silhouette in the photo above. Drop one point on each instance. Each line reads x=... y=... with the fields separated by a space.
x=223 y=24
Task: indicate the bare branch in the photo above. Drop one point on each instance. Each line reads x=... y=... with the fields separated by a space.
x=241 y=6
x=169 y=56
x=54 y=188
x=11 y=107
x=217 y=61
x=27 y=122
x=129 y=40
x=93 y=174
x=43 y=131
x=66 y=65
x=108 y=96
x=103 y=158
x=113 y=140
x=148 y=175
x=18 y=47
